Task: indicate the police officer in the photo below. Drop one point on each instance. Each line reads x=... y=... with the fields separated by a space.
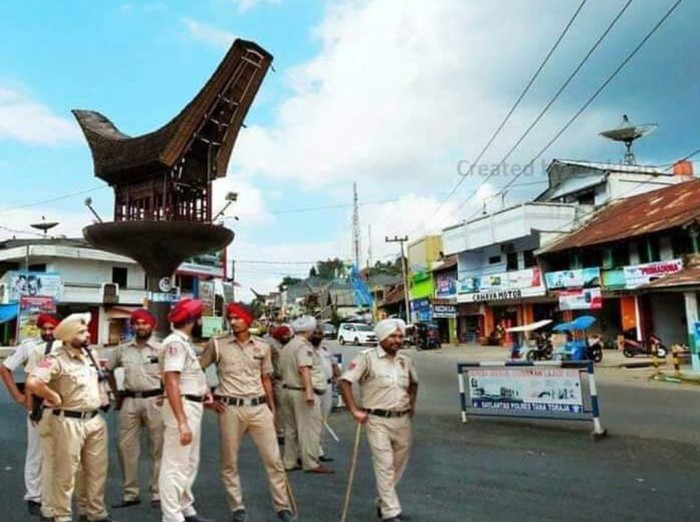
x=27 y=355
x=277 y=339
x=186 y=393
x=245 y=403
x=325 y=370
x=302 y=408
x=68 y=381
x=139 y=406
x=388 y=389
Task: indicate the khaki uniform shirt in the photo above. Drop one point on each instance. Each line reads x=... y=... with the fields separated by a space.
x=141 y=365
x=38 y=353
x=276 y=350
x=179 y=356
x=319 y=379
x=240 y=367
x=297 y=354
x=71 y=374
x=384 y=381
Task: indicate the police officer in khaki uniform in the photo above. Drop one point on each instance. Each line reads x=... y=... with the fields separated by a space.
x=27 y=355
x=388 y=388
x=186 y=393
x=245 y=403
x=302 y=409
x=277 y=340
x=324 y=372
x=139 y=406
x=68 y=381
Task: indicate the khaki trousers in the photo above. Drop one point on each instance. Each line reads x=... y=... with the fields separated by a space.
x=302 y=430
x=180 y=464
x=390 y=442
x=279 y=415
x=47 y=458
x=80 y=443
x=259 y=422
x=134 y=414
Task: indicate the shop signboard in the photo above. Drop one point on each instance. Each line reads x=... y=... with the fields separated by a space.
x=29 y=309
x=638 y=275
x=545 y=390
x=581 y=299
x=206 y=294
x=446 y=285
x=441 y=311
x=211 y=264
x=581 y=278
x=31 y=284
x=420 y=310
x=503 y=286
x=229 y=294
x=212 y=326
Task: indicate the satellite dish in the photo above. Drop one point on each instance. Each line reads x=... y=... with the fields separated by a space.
x=627 y=133
x=44 y=225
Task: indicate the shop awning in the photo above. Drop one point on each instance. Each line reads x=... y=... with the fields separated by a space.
x=8 y=312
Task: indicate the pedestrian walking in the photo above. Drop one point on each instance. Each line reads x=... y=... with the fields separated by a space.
x=186 y=393
x=244 y=401
x=139 y=406
x=325 y=372
x=388 y=389
x=302 y=407
x=69 y=382
x=26 y=356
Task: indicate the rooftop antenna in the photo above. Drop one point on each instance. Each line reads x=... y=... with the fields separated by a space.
x=44 y=225
x=627 y=133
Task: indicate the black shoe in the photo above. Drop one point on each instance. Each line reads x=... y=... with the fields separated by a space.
x=197 y=518
x=42 y=518
x=82 y=518
x=239 y=515
x=155 y=503
x=127 y=503
x=286 y=516
x=323 y=458
x=34 y=508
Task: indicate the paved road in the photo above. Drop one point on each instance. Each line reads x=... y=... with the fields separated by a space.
x=486 y=470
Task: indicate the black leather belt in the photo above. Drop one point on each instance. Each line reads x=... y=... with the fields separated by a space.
x=83 y=415
x=387 y=414
x=319 y=392
x=141 y=394
x=240 y=401
x=296 y=388
x=194 y=398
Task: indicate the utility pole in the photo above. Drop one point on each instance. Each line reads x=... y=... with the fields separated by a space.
x=404 y=271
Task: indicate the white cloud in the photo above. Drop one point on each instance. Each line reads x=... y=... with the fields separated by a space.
x=29 y=121
x=403 y=89
x=250 y=206
x=201 y=32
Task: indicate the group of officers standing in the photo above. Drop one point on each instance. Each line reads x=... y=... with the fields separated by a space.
x=277 y=389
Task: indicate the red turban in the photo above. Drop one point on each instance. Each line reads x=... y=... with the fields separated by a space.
x=47 y=319
x=145 y=316
x=281 y=332
x=241 y=311
x=186 y=310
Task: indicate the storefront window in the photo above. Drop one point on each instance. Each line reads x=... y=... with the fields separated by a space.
x=512 y=261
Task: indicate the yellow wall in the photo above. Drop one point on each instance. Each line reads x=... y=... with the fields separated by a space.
x=424 y=251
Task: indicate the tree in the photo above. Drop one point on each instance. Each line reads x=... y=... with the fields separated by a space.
x=288 y=281
x=313 y=272
x=329 y=269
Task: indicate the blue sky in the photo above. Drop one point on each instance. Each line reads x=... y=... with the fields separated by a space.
x=391 y=94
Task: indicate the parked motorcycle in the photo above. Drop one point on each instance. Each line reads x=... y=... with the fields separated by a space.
x=632 y=347
x=542 y=350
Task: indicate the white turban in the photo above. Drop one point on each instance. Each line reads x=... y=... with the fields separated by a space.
x=70 y=326
x=305 y=323
x=385 y=328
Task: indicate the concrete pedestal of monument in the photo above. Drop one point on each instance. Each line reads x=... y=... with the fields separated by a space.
x=159 y=247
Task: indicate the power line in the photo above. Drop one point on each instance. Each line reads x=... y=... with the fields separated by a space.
x=598 y=91
x=547 y=107
x=54 y=199
x=510 y=112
